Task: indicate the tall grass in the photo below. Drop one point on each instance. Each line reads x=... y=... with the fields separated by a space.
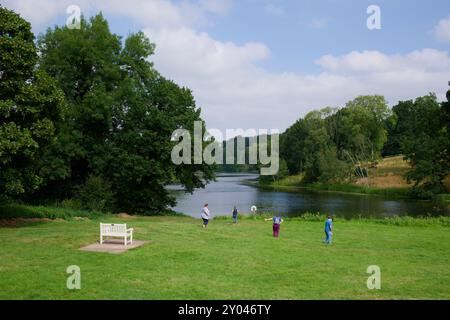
x=8 y=211
x=351 y=188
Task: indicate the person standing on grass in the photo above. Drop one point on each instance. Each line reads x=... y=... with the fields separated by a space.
x=277 y=221
x=205 y=215
x=235 y=214
x=329 y=230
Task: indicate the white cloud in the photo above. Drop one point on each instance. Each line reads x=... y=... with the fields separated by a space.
x=227 y=80
x=442 y=30
x=234 y=92
x=185 y=51
x=161 y=13
x=38 y=14
x=367 y=62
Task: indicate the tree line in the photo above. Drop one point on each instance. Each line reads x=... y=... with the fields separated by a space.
x=85 y=117
x=333 y=145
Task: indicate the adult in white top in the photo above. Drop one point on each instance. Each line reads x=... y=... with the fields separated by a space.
x=205 y=215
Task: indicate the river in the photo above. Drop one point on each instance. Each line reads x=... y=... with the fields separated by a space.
x=234 y=190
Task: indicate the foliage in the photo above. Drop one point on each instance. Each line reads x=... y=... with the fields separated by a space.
x=119 y=121
x=282 y=173
x=333 y=145
x=427 y=146
x=30 y=105
x=304 y=145
x=95 y=194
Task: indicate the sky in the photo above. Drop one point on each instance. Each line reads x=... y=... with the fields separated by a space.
x=263 y=64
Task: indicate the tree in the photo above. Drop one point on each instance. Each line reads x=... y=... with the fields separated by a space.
x=120 y=118
x=30 y=105
x=321 y=159
x=361 y=130
x=86 y=64
x=292 y=147
x=426 y=145
x=399 y=125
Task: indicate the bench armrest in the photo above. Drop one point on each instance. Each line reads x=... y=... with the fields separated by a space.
x=130 y=229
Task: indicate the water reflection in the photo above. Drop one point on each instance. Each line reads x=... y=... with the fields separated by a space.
x=232 y=190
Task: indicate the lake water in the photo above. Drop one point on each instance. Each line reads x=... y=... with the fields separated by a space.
x=234 y=190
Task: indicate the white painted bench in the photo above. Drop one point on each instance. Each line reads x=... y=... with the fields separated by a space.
x=117 y=231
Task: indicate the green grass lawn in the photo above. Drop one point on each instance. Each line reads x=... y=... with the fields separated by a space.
x=227 y=261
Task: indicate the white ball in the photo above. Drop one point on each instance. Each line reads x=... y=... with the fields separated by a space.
x=253 y=209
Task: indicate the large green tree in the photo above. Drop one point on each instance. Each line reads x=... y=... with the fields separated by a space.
x=30 y=105
x=425 y=143
x=361 y=132
x=120 y=117
x=292 y=145
x=321 y=158
x=307 y=147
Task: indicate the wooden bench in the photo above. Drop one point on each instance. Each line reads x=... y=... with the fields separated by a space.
x=117 y=231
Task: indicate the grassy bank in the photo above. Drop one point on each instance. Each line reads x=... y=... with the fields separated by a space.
x=292 y=183
x=386 y=179
x=352 y=188
x=228 y=261
x=15 y=210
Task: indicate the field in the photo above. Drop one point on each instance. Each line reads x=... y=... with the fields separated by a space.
x=227 y=261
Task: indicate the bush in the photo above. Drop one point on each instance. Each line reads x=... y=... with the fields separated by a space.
x=71 y=204
x=96 y=195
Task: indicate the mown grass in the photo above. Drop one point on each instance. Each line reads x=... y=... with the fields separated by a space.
x=228 y=261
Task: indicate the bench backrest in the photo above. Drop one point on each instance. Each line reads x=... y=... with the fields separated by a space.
x=113 y=228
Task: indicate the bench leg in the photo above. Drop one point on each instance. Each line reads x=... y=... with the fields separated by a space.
x=131 y=238
x=101 y=239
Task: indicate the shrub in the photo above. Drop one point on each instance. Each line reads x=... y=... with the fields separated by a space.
x=96 y=195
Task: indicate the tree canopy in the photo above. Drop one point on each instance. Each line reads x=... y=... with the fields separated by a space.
x=90 y=112
x=30 y=106
x=333 y=145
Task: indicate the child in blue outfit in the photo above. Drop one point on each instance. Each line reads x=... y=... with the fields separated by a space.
x=235 y=214
x=329 y=230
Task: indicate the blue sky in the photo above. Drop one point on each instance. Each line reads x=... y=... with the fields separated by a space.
x=265 y=63
x=295 y=44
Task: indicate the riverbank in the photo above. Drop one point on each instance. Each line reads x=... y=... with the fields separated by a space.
x=386 y=179
x=342 y=188
x=242 y=261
